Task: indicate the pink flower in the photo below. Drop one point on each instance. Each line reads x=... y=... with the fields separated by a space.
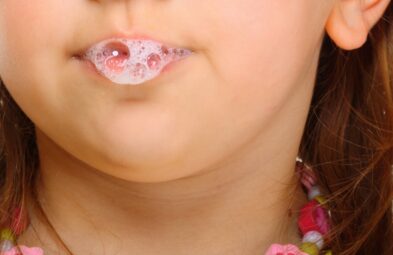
x=288 y=249
x=25 y=251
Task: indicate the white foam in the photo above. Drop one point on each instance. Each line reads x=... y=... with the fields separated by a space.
x=127 y=62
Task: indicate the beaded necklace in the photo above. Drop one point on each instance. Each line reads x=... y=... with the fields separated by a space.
x=313 y=224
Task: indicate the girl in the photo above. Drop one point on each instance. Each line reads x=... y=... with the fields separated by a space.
x=201 y=158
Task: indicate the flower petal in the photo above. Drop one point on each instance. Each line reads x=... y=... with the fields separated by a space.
x=25 y=251
x=288 y=249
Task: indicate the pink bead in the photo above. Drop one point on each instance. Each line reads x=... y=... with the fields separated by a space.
x=288 y=249
x=25 y=251
x=307 y=175
x=313 y=217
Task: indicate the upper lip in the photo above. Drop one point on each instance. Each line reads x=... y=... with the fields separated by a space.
x=120 y=35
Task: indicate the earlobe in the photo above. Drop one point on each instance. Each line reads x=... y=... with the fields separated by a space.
x=350 y=21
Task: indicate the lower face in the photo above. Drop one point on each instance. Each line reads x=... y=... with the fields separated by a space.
x=254 y=60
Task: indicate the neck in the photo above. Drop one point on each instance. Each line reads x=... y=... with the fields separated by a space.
x=240 y=207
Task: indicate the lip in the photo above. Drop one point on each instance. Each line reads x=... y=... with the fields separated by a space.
x=120 y=35
x=80 y=55
x=92 y=68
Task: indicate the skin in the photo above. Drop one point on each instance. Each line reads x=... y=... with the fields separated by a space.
x=199 y=161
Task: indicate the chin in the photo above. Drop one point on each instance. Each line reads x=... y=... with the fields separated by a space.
x=140 y=159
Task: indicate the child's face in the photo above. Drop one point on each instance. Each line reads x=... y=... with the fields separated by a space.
x=249 y=80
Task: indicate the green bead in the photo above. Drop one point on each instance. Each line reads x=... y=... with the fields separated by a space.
x=320 y=199
x=6 y=234
x=310 y=248
x=329 y=252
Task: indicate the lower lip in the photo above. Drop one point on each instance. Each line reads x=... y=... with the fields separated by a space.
x=90 y=68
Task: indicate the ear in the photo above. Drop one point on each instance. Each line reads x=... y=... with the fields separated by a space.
x=350 y=21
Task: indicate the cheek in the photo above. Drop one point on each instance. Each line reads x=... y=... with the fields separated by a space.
x=33 y=31
x=258 y=55
x=32 y=49
x=28 y=26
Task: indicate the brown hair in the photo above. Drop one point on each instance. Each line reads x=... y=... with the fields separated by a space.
x=348 y=140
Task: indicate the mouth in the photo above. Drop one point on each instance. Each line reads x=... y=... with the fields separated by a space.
x=131 y=61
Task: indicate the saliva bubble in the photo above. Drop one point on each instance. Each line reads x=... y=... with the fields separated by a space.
x=132 y=62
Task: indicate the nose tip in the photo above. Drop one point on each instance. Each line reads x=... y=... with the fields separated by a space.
x=125 y=13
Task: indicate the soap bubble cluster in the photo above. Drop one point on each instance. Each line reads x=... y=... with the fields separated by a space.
x=132 y=62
